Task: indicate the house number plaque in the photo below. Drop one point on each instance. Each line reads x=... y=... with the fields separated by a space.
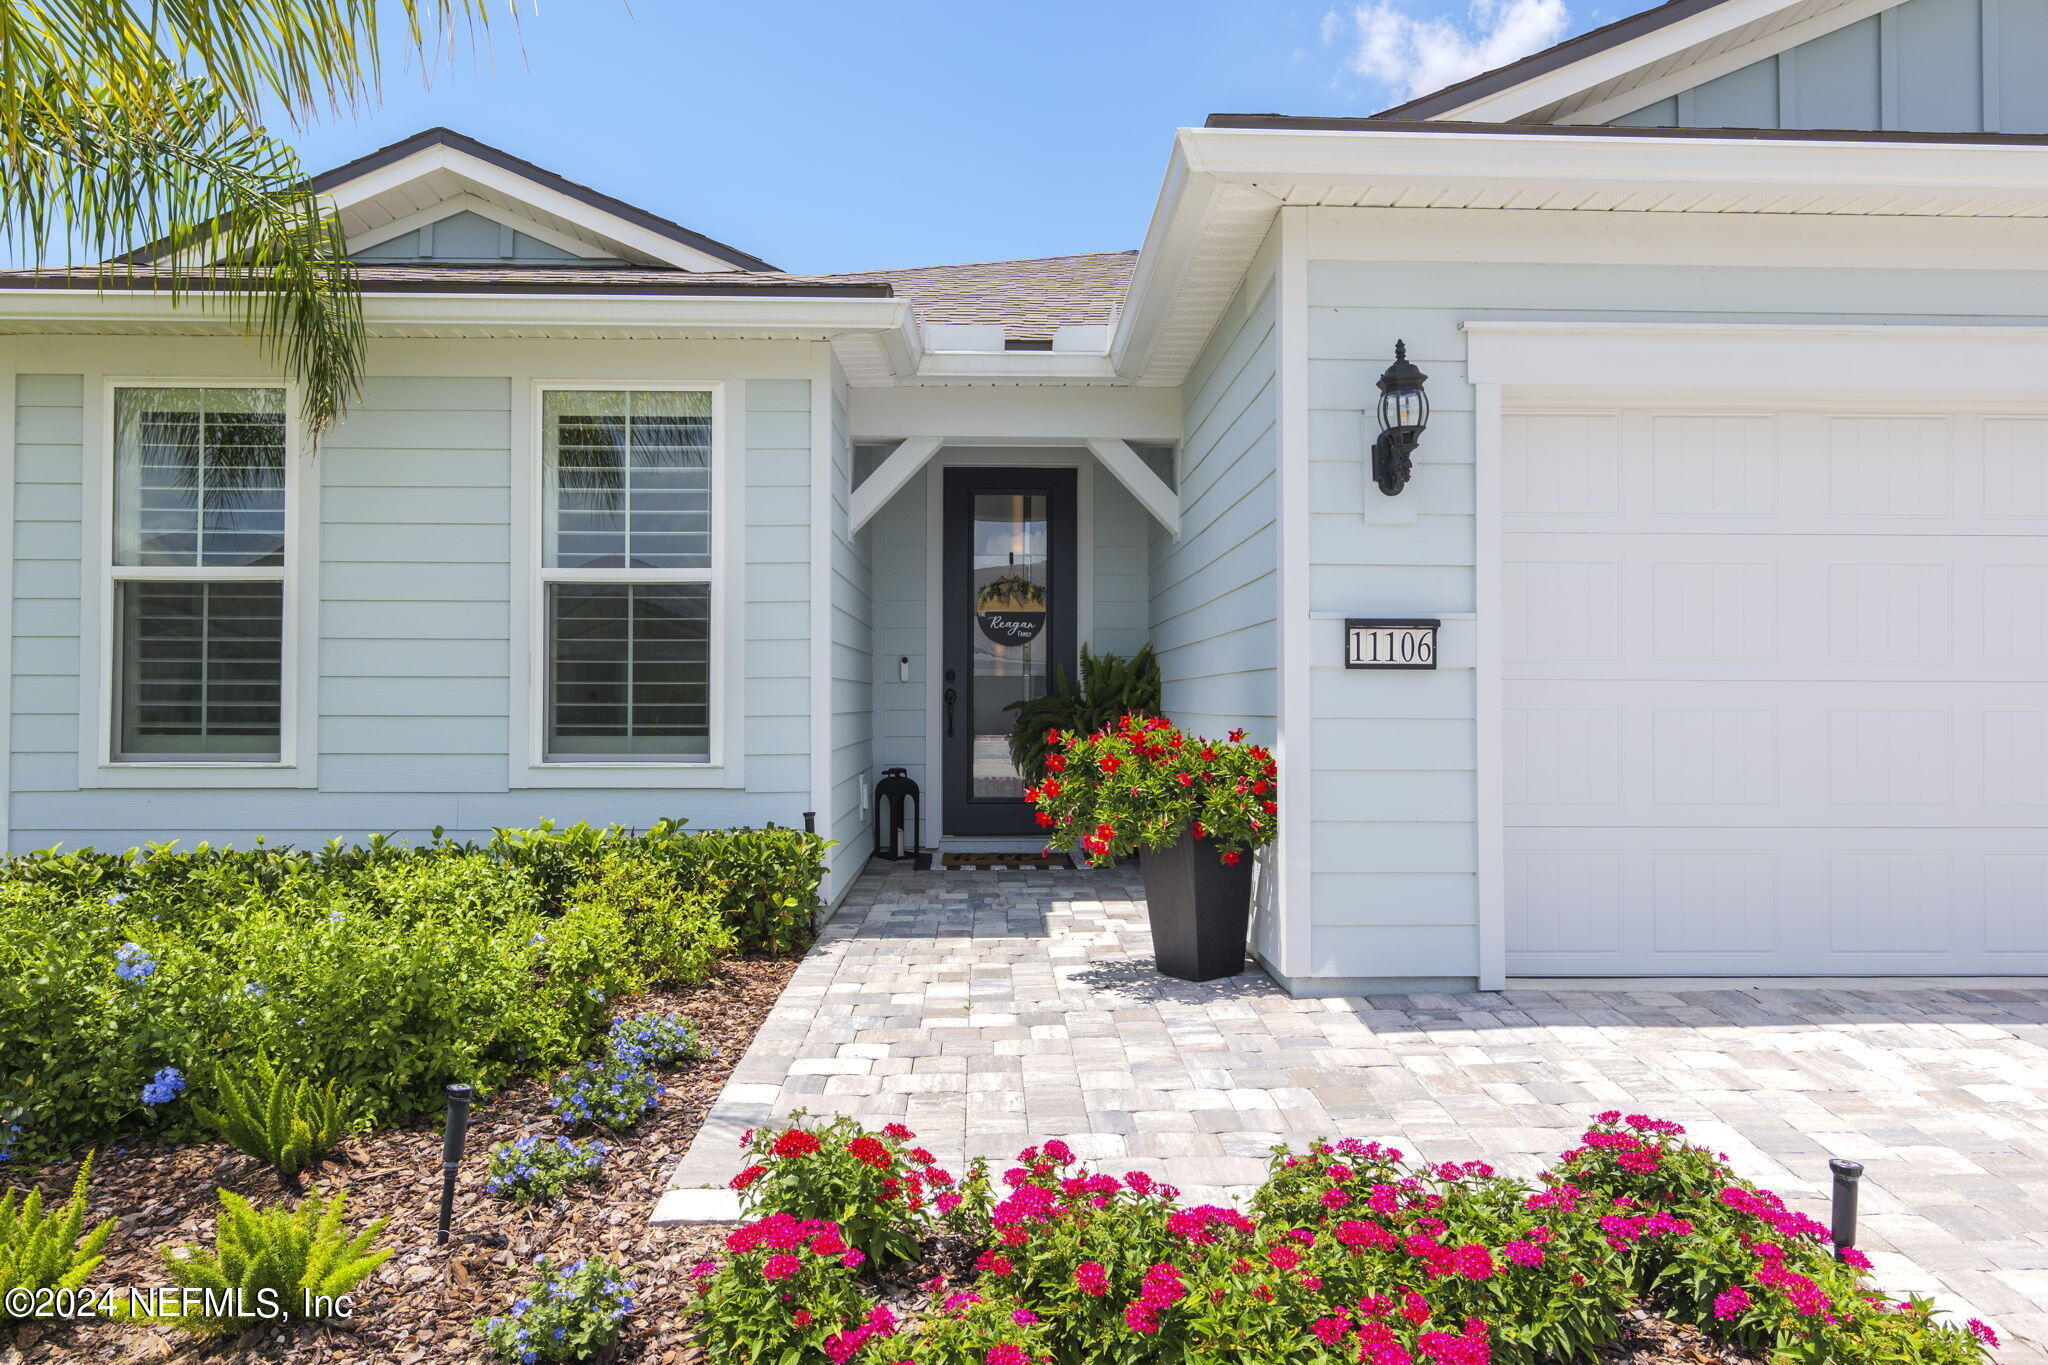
x=1389 y=643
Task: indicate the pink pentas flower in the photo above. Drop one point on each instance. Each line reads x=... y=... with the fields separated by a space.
x=1006 y=1353
x=1731 y=1303
x=1983 y=1333
x=1141 y=1318
x=1523 y=1253
x=1330 y=1331
x=780 y=1267
x=993 y=1263
x=1023 y=1317
x=854 y=1260
x=1092 y=1278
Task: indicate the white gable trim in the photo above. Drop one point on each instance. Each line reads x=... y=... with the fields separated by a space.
x=1748 y=54
x=1612 y=63
x=483 y=208
x=634 y=241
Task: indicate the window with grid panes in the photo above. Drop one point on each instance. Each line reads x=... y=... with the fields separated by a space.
x=627 y=574
x=198 y=570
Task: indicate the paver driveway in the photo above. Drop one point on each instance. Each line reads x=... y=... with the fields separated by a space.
x=987 y=1010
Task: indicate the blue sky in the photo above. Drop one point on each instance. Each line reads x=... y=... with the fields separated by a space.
x=828 y=137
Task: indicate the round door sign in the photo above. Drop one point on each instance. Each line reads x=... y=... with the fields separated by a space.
x=1011 y=627
x=1010 y=610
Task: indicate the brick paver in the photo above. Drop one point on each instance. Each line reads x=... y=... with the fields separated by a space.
x=987 y=1010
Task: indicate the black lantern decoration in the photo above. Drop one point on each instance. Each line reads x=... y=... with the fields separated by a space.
x=893 y=794
x=1404 y=412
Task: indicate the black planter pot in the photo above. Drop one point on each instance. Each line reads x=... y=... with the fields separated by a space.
x=1200 y=910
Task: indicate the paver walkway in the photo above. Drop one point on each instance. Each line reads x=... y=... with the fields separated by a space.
x=988 y=1010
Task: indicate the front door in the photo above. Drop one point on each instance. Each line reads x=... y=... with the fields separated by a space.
x=1009 y=623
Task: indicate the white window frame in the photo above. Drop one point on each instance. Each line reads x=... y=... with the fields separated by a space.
x=297 y=741
x=722 y=767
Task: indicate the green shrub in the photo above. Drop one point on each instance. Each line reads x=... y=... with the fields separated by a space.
x=275 y=1119
x=385 y=969
x=1111 y=687
x=40 y=1250
x=290 y=1262
x=535 y=1168
x=572 y=1313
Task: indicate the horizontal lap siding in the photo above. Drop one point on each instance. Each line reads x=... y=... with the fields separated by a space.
x=897 y=545
x=49 y=426
x=414 y=649
x=853 y=662
x=1393 y=847
x=1212 y=587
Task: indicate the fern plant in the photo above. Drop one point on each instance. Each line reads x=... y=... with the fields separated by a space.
x=290 y=1262
x=40 y=1250
x=275 y=1119
x=1110 y=686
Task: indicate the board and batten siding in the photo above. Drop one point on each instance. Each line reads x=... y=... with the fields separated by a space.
x=1394 y=804
x=1932 y=66
x=413 y=646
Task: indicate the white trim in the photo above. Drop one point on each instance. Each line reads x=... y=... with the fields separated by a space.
x=1135 y=475
x=482 y=208
x=1632 y=98
x=822 y=622
x=889 y=477
x=632 y=238
x=528 y=765
x=955 y=457
x=298 y=695
x=1294 y=898
x=1488 y=718
x=1769 y=361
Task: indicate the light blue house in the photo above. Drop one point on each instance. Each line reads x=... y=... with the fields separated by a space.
x=1731 y=514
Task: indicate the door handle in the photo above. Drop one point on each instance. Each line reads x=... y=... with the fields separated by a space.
x=951 y=696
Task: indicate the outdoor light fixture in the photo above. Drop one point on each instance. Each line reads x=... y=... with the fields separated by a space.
x=1404 y=412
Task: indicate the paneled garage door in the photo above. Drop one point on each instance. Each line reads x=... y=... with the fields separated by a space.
x=1776 y=691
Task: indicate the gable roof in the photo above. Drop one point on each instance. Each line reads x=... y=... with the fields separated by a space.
x=1028 y=298
x=420 y=145
x=1683 y=41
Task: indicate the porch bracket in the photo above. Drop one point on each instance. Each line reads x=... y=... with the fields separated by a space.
x=889 y=477
x=1137 y=477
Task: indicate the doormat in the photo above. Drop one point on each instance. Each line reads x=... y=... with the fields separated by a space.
x=1005 y=862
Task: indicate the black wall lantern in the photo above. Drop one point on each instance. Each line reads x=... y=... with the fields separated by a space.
x=1404 y=412
x=898 y=807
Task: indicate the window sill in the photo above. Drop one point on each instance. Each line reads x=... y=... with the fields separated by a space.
x=600 y=774
x=196 y=775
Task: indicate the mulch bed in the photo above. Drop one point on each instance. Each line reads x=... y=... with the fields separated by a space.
x=422 y=1304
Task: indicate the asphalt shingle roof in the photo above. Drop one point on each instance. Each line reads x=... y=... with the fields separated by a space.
x=1028 y=298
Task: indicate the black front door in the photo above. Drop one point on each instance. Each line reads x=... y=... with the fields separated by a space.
x=1009 y=623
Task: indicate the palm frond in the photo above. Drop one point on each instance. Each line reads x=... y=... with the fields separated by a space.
x=237 y=224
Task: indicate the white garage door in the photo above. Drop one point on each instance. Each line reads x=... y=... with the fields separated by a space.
x=1775 y=691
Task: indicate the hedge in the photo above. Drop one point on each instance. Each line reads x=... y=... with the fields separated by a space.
x=393 y=969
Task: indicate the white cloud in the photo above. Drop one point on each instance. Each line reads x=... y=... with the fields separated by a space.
x=1414 y=56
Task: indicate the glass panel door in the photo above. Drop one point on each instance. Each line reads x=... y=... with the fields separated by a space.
x=1008 y=608
x=1011 y=552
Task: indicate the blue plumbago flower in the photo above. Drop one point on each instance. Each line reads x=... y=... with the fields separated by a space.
x=132 y=962
x=116 y=897
x=166 y=1086
x=256 y=988
x=335 y=917
x=537 y=941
